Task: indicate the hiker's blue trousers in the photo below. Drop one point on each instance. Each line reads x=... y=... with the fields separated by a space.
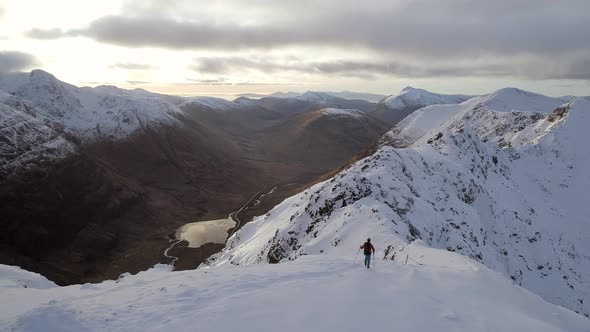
x=367 y=260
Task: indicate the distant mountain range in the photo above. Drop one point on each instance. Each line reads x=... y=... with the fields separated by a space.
x=372 y=97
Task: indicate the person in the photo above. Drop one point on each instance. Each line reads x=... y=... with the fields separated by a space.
x=367 y=248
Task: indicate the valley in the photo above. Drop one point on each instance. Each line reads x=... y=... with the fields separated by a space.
x=95 y=181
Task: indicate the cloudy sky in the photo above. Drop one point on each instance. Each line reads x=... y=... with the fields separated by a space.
x=237 y=46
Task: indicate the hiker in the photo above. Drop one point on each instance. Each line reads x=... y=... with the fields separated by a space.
x=367 y=247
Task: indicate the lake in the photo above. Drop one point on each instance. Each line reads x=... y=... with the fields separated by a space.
x=201 y=232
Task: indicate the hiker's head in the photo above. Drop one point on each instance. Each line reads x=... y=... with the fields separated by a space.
x=369 y=240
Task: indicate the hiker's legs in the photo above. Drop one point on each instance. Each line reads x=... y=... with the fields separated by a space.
x=367 y=260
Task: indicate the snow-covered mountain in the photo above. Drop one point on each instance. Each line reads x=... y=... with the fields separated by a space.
x=314 y=293
x=89 y=113
x=371 y=97
x=499 y=178
x=44 y=119
x=28 y=138
x=412 y=97
x=394 y=108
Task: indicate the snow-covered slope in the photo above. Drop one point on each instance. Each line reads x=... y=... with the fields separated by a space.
x=506 y=188
x=210 y=103
x=504 y=100
x=394 y=108
x=417 y=98
x=15 y=277
x=27 y=137
x=343 y=112
x=314 y=293
x=43 y=119
x=89 y=113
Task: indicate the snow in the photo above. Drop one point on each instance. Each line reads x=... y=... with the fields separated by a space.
x=412 y=97
x=43 y=119
x=485 y=200
x=90 y=113
x=29 y=138
x=15 y=277
x=216 y=104
x=314 y=96
x=350 y=95
x=508 y=100
x=314 y=293
x=506 y=188
x=340 y=112
x=512 y=99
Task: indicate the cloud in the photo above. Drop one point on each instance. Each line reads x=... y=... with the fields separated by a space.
x=213 y=81
x=137 y=82
x=578 y=68
x=14 y=61
x=431 y=27
x=442 y=38
x=45 y=34
x=133 y=66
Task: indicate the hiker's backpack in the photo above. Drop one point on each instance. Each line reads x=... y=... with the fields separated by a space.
x=367 y=248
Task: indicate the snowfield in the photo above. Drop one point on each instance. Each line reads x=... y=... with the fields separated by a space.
x=506 y=188
x=314 y=293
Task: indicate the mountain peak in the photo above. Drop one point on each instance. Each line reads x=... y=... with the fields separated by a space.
x=410 y=88
x=314 y=95
x=415 y=98
x=42 y=74
x=514 y=99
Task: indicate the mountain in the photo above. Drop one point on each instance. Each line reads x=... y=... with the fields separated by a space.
x=499 y=178
x=28 y=138
x=394 y=108
x=86 y=112
x=370 y=97
x=321 y=140
x=314 y=293
x=311 y=101
x=95 y=181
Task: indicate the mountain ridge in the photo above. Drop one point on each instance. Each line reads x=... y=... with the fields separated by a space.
x=458 y=185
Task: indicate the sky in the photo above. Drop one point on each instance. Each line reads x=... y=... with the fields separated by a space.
x=260 y=46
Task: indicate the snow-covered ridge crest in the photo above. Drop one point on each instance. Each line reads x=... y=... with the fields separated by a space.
x=505 y=188
x=455 y=293
x=518 y=105
x=89 y=113
x=213 y=103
